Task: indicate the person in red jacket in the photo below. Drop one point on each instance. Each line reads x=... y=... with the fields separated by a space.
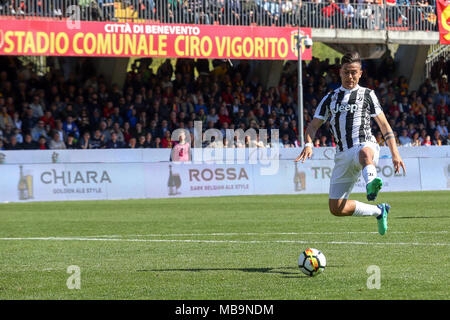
x=48 y=119
x=167 y=142
x=42 y=143
x=331 y=14
x=223 y=115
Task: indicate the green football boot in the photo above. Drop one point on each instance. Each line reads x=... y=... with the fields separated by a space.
x=382 y=218
x=373 y=188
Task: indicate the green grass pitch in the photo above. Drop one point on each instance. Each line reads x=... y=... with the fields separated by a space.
x=223 y=248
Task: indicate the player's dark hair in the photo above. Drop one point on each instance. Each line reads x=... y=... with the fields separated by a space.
x=351 y=57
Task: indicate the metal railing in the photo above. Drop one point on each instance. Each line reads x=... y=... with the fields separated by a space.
x=437 y=55
x=367 y=16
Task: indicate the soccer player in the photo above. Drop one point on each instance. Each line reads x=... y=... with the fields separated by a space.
x=351 y=108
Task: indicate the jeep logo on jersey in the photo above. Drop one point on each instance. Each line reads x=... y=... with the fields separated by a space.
x=343 y=107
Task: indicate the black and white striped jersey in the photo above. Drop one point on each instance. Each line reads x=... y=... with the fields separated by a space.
x=350 y=111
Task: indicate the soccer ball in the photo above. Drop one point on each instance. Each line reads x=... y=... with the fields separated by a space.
x=312 y=262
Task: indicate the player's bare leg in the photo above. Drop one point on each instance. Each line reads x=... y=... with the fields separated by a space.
x=369 y=172
x=345 y=207
x=341 y=207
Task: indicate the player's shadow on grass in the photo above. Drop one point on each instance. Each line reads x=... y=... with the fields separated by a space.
x=284 y=271
x=421 y=217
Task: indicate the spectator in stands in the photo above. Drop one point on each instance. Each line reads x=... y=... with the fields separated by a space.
x=405 y=141
x=105 y=132
x=416 y=141
x=285 y=142
x=404 y=9
x=36 y=107
x=153 y=130
x=425 y=11
x=427 y=141
x=118 y=131
x=28 y=122
x=5 y=118
x=164 y=129
x=392 y=13
x=317 y=143
x=379 y=138
x=212 y=116
x=234 y=7
x=442 y=106
x=97 y=140
x=141 y=143
x=166 y=141
x=16 y=121
x=437 y=139
x=275 y=12
x=126 y=131
x=365 y=14
x=324 y=142
x=56 y=143
x=42 y=143
x=13 y=144
x=156 y=143
x=85 y=141
x=48 y=119
x=442 y=128
x=404 y=105
x=332 y=15
x=224 y=115
x=18 y=135
x=132 y=143
x=114 y=143
x=28 y=143
x=249 y=103
x=423 y=136
x=59 y=129
x=348 y=13
x=69 y=126
x=116 y=117
x=39 y=131
x=250 y=12
x=71 y=142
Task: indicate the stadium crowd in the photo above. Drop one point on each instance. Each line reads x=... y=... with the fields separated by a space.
x=79 y=110
x=366 y=14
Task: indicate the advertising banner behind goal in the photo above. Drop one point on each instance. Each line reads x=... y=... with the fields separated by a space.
x=108 y=181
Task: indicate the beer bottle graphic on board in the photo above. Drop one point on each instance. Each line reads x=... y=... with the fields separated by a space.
x=299 y=179
x=22 y=186
x=29 y=181
x=25 y=186
x=174 y=182
x=447 y=174
x=171 y=183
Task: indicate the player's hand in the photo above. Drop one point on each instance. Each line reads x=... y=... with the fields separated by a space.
x=398 y=162
x=306 y=154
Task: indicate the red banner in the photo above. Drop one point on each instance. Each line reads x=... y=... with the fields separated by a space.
x=111 y=39
x=443 y=10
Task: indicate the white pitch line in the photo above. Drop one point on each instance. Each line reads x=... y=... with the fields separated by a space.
x=257 y=234
x=228 y=241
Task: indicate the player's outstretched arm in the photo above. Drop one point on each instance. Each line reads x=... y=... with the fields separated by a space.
x=309 y=135
x=389 y=137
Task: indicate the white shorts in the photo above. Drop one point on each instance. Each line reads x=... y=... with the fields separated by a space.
x=347 y=170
